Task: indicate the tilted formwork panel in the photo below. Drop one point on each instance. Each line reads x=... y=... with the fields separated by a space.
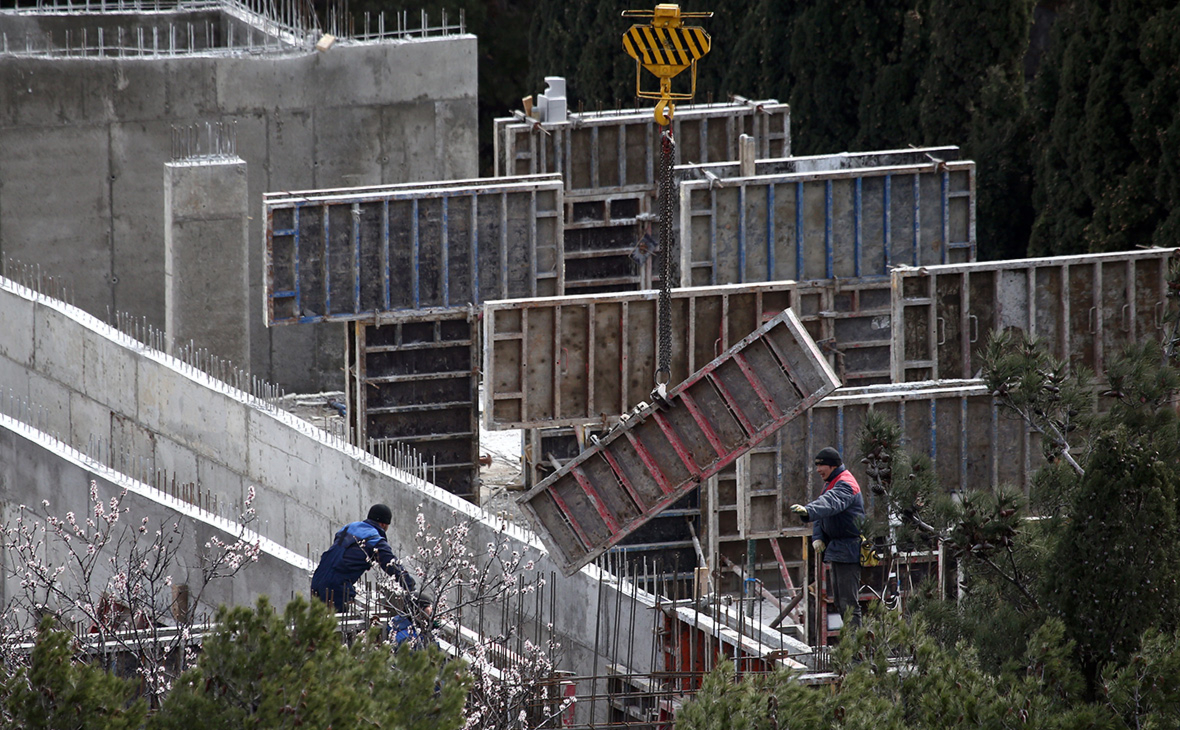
x=571 y=361
x=609 y=161
x=660 y=453
x=820 y=225
x=1084 y=308
x=344 y=255
x=415 y=382
x=663 y=544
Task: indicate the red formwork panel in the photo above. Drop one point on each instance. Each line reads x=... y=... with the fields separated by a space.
x=662 y=451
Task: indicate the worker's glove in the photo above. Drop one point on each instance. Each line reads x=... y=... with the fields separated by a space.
x=818 y=546
x=800 y=512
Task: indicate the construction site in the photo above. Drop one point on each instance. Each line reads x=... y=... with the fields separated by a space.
x=224 y=287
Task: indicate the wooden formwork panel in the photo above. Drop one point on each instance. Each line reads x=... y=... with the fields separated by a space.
x=603 y=250
x=570 y=361
x=576 y=360
x=665 y=543
x=805 y=226
x=351 y=255
x=416 y=382
x=972 y=442
x=1084 y=308
x=618 y=151
x=663 y=451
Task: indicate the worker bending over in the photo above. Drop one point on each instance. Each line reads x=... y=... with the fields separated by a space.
x=358 y=545
x=836 y=533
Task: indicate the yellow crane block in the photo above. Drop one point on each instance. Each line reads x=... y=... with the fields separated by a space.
x=665 y=47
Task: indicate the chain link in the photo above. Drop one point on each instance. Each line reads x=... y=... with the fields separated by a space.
x=667 y=207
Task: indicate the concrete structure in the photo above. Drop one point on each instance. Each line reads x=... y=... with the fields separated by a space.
x=206 y=255
x=88 y=101
x=36 y=468
x=87 y=378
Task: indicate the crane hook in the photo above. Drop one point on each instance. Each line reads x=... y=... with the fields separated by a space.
x=664 y=119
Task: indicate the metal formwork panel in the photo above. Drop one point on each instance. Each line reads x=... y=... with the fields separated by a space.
x=1084 y=308
x=820 y=163
x=972 y=442
x=807 y=226
x=570 y=361
x=415 y=382
x=660 y=453
x=608 y=162
x=617 y=151
x=350 y=255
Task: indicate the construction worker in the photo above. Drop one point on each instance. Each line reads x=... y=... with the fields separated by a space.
x=358 y=545
x=836 y=532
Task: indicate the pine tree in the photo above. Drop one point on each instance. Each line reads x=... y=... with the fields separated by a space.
x=1106 y=124
x=55 y=692
x=1116 y=570
x=264 y=669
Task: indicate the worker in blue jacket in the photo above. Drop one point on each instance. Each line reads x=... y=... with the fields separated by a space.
x=837 y=513
x=357 y=547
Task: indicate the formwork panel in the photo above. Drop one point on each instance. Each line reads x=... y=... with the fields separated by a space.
x=766 y=165
x=654 y=456
x=1084 y=308
x=853 y=222
x=345 y=255
x=606 y=358
x=414 y=383
x=595 y=151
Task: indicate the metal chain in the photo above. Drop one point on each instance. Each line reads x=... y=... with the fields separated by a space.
x=667 y=210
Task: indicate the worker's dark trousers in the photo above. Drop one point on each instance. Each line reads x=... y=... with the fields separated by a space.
x=845 y=588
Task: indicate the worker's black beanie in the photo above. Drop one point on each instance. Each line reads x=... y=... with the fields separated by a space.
x=380 y=513
x=828 y=457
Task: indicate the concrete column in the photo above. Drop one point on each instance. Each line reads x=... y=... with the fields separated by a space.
x=206 y=239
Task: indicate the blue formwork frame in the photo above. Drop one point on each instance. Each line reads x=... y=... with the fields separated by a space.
x=442 y=192
x=833 y=242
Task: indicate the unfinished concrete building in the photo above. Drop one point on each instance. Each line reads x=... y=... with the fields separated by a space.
x=90 y=95
x=534 y=286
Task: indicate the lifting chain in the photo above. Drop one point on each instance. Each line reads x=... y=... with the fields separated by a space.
x=667 y=210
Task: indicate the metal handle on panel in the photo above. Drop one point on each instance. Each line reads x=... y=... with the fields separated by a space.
x=941 y=331
x=1126 y=318
x=1093 y=317
x=974 y=328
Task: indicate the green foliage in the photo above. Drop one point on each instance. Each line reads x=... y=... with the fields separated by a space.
x=1107 y=129
x=263 y=669
x=1145 y=692
x=1116 y=570
x=1028 y=381
x=56 y=692
x=894 y=676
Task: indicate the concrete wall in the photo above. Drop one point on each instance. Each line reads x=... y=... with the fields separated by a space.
x=35 y=468
x=92 y=380
x=206 y=255
x=83 y=142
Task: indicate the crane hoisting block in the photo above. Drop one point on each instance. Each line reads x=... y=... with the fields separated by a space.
x=665 y=47
x=662 y=451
